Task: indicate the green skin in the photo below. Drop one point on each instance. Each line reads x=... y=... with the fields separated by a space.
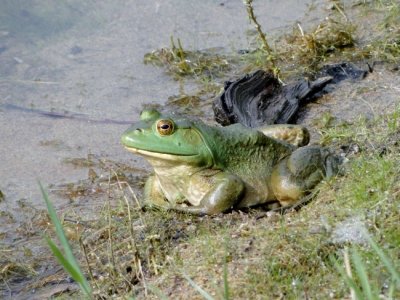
x=202 y=169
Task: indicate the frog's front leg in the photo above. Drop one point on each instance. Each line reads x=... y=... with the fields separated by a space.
x=154 y=197
x=224 y=190
x=296 y=135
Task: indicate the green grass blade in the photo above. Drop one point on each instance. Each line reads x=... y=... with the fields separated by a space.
x=226 y=283
x=198 y=288
x=59 y=229
x=349 y=281
x=69 y=256
x=362 y=275
x=76 y=275
x=385 y=260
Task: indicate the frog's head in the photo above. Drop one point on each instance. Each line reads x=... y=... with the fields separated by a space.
x=167 y=138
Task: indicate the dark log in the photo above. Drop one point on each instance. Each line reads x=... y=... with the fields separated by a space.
x=259 y=98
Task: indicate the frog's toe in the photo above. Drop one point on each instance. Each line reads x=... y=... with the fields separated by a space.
x=151 y=207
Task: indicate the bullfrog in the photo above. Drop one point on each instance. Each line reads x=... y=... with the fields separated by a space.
x=203 y=169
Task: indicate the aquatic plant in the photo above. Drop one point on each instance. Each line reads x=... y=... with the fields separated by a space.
x=261 y=34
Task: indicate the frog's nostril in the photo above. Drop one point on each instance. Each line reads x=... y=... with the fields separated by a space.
x=138 y=130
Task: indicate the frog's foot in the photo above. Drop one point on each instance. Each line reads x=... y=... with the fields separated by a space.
x=194 y=210
x=298 y=204
x=298 y=174
x=152 y=206
x=296 y=135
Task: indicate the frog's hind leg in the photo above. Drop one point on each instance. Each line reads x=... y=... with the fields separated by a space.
x=299 y=173
x=296 y=135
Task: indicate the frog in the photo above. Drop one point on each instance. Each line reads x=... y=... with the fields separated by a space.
x=204 y=169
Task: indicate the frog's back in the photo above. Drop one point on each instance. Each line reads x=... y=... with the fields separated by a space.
x=245 y=152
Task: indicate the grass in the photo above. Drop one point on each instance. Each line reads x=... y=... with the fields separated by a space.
x=385 y=42
x=180 y=63
x=357 y=279
x=239 y=255
x=289 y=255
x=66 y=259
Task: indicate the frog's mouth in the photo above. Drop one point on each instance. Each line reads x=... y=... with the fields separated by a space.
x=158 y=155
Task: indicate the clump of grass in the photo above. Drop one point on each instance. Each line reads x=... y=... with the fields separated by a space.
x=261 y=34
x=13 y=268
x=181 y=63
x=66 y=259
x=385 y=42
x=269 y=54
x=307 y=51
x=328 y=37
x=265 y=52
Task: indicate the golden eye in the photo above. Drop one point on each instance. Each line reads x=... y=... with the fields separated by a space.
x=165 y=127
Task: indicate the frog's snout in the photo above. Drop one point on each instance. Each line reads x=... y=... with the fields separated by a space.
x=126 y=138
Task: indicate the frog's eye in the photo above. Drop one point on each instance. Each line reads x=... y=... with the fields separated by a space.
x=165 y=127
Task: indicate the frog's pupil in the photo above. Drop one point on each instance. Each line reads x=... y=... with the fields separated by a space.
x=165 y=126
